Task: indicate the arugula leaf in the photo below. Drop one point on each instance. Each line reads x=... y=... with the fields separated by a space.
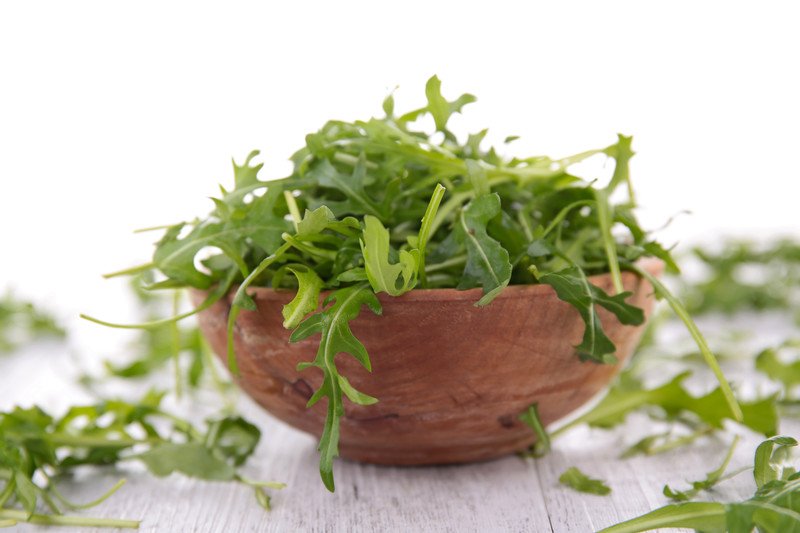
x=36 y=448
x=579 y=481
x=774 y=508
x=393 y=279
x=572 y=286
x=629 y=395
x=439 y=107
x=712 y=478
x=307 y=298
x=332 y=323
x=192 y=459
x=769 y=363
x=352 y=186
x=769 y=455
x=487 y=261
x=530 y=417
x=703 y=516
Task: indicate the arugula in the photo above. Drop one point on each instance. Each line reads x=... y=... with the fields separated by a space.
x=333 y=326
x=774 y=508
x=36 y=448
x=21 y=322
x=572 y=286
x=628 y=394
x=743 y=275
x=381 y=205
x=577 y=480
x=530 y=417
x=770 y=362
x=712 y=478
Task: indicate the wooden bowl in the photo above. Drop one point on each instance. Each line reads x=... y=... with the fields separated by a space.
x=451 y=378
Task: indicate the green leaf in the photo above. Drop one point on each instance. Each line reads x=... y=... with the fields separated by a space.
x=394 y=279
x=244 y=175
x=767 y=457
x=712 y=478
x=192 y=459
x=579 y=481
x=531 y=418
x=769 y=363
x=307 y=298
x=352 y=186
x=488 y=262
x=572 y=286
x=439 y=107
x=711 y=361
x=233 y=437
x=333 y=323
x=628 y=395
x=708 y=517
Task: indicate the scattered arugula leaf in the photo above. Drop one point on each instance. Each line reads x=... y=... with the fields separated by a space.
x=712 y=478
x=628 y=394
x=770 y=455
x=37 y=447
x=577 y=480
x=770 y=362
x=774 y=508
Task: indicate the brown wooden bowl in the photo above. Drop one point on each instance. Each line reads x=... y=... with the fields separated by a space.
x=451 y=378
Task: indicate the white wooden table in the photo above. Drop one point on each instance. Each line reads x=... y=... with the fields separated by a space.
x=509 y=494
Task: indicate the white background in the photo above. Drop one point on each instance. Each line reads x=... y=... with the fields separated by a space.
x=115 y=116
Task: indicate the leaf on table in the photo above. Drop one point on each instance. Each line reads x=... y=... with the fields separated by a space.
x=192 y=459
x=768 y=458
x=580 y=482
x=628 y=395
x=712 y=478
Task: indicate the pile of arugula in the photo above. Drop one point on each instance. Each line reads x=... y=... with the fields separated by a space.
x=37 y=448
x=384 y=206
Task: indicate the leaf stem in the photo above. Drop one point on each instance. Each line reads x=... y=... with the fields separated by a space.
x=60 y=520
x=708 y=355
x=425 y=230
x=128 y=271
x=240 y=295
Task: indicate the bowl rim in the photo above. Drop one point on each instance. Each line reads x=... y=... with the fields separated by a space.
x=653 y=265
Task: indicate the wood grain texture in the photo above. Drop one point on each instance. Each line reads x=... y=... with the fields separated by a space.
x=451 y=378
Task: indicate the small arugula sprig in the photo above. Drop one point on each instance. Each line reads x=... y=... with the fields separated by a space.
x=712 y=478
x=577 y=480
x=774 y=508
x=36 y=448
x=383 y=205
x=22 y=322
